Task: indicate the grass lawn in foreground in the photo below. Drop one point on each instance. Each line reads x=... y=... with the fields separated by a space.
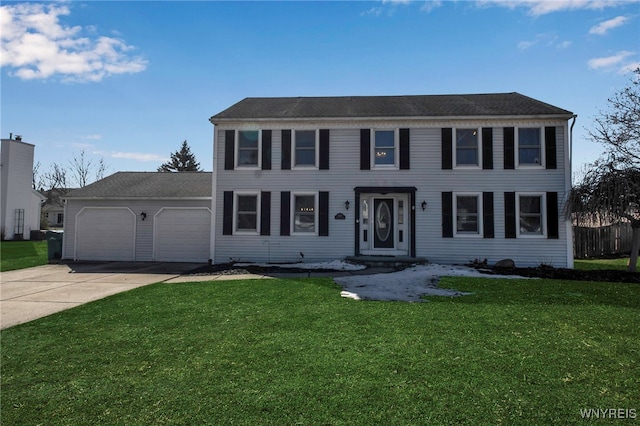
x=293 y=351
x=593 y=264
x=22 y=254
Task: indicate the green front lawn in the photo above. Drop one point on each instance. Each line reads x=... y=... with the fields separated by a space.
x=22 y=254
x=594 y=264
x=295 y=352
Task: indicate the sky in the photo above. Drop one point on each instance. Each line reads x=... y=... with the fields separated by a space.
x=127 y=82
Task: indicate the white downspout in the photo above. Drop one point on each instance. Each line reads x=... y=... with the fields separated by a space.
x=568 y=186
x=214 y=191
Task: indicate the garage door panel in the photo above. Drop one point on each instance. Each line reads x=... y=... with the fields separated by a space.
x=182 y=235
x=105 y=234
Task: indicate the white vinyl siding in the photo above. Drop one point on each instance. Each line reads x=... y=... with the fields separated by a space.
x=426 y=175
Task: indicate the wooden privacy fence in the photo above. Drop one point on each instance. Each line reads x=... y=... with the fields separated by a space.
x=601 y=241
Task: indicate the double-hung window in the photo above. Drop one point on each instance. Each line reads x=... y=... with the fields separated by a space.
x=467 y=213
x=384 y=148
x=305 y=148
x=248 y=148
x=467 y=148
x=530 y=208
x=530 y=146
x=304 y=213
x=246 y=215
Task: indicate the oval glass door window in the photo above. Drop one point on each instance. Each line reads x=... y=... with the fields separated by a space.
x=383 y=221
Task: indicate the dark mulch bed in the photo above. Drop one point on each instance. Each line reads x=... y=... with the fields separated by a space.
x=232 y=269
x=565 y=274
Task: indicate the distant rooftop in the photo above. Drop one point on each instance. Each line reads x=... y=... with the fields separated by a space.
x=476 y=105
x=148 y=185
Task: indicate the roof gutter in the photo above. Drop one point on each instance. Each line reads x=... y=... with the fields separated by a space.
x=216 y=121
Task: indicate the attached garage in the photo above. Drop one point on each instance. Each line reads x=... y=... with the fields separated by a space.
x=182 y=234
x=140 y=216
x=105 y=233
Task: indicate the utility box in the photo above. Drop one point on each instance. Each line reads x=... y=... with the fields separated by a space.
x=54 y=246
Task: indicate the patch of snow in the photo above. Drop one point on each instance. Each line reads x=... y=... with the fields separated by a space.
x=335 y=265
x=407 y=285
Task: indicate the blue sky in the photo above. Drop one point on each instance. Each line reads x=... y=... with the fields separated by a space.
x=129 y=81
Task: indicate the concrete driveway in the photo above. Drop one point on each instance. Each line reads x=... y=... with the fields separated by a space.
x=32 y=293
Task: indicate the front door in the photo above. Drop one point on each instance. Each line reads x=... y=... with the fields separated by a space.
x=384 y=224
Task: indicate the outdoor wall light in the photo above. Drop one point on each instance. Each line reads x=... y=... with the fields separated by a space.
x=143 y=215
x=424 y=205
x=346 y=204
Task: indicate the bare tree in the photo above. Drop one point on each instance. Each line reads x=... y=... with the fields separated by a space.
x=610 y=188
x=81 y=167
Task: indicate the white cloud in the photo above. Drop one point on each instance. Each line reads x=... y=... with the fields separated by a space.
x=36 y=45
x=137 y=156
x=544 y=7
x=603 y=27
x=611 y=62
x=524 y=45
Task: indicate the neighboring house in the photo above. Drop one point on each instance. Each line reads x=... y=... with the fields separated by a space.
x=53 y=207
x=450 y=178
x=20 y=203
x=140 y=216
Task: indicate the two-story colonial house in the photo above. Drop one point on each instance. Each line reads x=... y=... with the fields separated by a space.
x=450 y=178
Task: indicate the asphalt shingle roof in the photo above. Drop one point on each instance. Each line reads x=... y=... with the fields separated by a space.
x=148 y=185
x=492 y=104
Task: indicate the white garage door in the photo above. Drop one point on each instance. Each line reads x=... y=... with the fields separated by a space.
x=105 y=234
x=182 y=234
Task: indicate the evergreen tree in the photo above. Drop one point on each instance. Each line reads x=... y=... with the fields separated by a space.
x=181 y=161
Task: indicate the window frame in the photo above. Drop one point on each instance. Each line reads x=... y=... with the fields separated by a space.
x=236 y=204
x=396 y=149
x=454 y=149
x=315 y=211
x=543 y=215
x=294 y=142
x=516 y=150
x=479 y=214
x=258 y=164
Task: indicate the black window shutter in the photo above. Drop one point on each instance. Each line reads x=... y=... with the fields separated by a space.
x=285 y=213
x=509 y=214
x=324 y=149
x=405 y=150
x=365 y=149
x=323 y=214
x=227 y=213
x=487 y=214
x=229 y=149
x=286 y=150
x=447 y=215
x=550 y=147
x=509 y=149
x=487 y=148
x=447 y=148
x=265 y=213
x=552 y=215
x=266 y=150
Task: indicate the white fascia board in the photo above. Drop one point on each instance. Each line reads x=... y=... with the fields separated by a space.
x=414 y=118
x=137 y=198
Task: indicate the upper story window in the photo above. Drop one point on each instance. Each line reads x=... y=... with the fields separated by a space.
x=248 y=148
x=467 y=214
x=530 y=146
x=304 y=213
x=530 y=210
x=384 y=148
x=467 y=149
x=305 y=148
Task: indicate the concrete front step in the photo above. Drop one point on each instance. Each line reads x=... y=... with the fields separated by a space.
x=387 y=261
